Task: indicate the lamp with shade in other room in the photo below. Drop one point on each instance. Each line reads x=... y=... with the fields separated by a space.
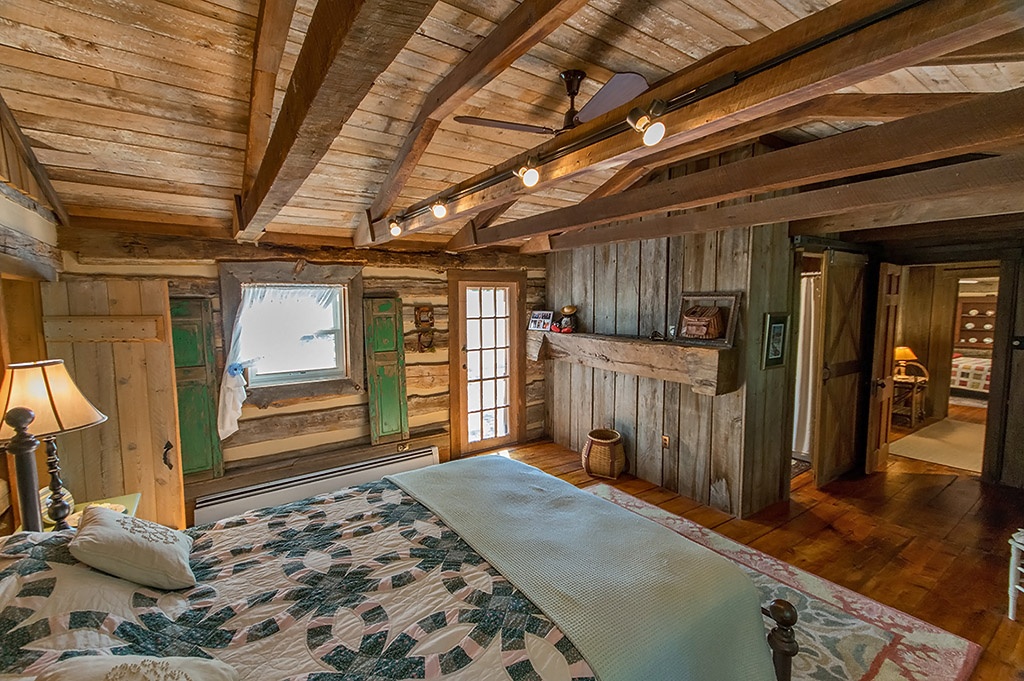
x=906 y=357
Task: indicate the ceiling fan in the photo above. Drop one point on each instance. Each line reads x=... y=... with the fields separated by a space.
x=620 y=88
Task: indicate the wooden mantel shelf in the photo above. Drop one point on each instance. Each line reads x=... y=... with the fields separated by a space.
x=708 y=371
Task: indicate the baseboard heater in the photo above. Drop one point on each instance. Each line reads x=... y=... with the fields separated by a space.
x=214 y=507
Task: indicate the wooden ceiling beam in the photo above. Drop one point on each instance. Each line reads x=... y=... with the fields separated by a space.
x=963 y=230
x=883 y=107
x=992 y=121
x=347 y=46
x=528 y=24
x=272 y=26
x=24 y=150
x=753 y=81
x=1005 y=48
x=974 y=181
x=1002 y=202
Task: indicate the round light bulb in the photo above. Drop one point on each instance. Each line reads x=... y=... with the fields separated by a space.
x=654 y=133
x=439 y=210
x=396 y=228
x=530 y=177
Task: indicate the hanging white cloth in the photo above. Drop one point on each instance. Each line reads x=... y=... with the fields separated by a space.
x=232 y=385
x=807 y=369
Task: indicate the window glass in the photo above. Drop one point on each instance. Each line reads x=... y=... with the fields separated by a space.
x=294 y=333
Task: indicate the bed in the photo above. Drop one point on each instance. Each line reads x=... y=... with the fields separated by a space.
x=369 y=584
x=971 y=377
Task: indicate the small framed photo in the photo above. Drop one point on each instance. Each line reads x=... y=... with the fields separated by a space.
x=540 y=320
x=776 y=335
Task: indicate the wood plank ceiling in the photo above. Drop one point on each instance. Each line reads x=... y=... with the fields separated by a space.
x=139 y=110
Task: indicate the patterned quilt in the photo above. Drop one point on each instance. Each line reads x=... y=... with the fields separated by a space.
x=971 y=373
x=362 y=585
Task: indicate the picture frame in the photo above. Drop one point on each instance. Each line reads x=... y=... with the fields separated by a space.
x=776 y=340
x=727 y=301
x=540 y=320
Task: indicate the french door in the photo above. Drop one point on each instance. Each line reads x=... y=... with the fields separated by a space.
x=487 y=385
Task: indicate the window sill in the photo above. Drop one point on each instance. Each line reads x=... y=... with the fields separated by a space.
x=266 y=396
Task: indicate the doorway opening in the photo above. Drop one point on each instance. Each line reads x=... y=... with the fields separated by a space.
x=946 y=334
x=807 y=376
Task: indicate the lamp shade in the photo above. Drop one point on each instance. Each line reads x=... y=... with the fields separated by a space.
x=905 y=354
x=47 y=389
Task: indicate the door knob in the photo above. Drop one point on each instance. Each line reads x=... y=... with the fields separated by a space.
x=881 y=383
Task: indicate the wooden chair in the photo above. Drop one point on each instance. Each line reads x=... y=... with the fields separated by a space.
x=1016 y=571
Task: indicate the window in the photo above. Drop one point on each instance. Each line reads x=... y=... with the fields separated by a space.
x=293 y=333
x=301 y=322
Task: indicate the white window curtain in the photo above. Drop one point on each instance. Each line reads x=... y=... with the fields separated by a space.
x=232 y=386
x=807 y=369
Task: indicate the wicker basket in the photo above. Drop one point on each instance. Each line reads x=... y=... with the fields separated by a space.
x=703 y=321
x=603 y=455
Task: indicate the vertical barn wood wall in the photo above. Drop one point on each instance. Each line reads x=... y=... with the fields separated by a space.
x=336 y=430
x=927 y=307
x=732 y=450
x=1004 y=434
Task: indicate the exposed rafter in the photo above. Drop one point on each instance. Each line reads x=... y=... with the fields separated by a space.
x=525 y=26
x=347 y=46
x=990 y=122
x=965 y=230
x=24 y=149
x=272 y=26
x=975 y=180
x=851 y=42
x=1001 y=202
x=1005 y=48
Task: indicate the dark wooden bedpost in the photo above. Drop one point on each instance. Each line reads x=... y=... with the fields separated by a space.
x=782 y=639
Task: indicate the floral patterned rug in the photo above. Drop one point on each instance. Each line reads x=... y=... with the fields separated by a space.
x=843 y=635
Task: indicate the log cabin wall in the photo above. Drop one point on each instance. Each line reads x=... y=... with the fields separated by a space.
x=301 y=435
x=731 y=450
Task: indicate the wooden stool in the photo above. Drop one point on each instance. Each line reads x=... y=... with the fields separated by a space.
x=1016 y=571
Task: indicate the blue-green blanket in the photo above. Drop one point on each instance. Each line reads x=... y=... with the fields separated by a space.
x=639 y=601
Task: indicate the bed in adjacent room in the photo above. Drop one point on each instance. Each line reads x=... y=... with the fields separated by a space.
x=372 y=583
x=971 y=377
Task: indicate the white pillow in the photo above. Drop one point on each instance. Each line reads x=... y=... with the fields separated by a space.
x=134 y=549
x=138 y=668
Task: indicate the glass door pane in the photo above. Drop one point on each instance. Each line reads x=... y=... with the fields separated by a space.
x=488 y=370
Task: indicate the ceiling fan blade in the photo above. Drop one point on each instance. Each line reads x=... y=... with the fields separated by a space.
x=621 y=88
x=505 y=125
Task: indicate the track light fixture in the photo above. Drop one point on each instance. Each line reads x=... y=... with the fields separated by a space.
x=395 y=227
x=642 y=120
x=528 y=173
x=439 y=209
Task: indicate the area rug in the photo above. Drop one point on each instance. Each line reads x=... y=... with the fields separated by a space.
x=949 y=442
x=843 y=635
x=968 y=402
x=799 y=467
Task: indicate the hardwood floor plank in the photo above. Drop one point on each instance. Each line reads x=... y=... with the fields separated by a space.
x=920 y=537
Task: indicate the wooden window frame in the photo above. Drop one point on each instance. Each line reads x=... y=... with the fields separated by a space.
x=517 y=424
x=234 y=274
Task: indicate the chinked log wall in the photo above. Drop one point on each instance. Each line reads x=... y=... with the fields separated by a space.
x=731 y=450
x=344 y=421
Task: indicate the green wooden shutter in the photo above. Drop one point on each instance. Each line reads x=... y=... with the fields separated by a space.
x=385 y=369
x=195 y=376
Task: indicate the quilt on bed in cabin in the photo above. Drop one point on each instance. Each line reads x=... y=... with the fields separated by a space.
x=362 y=584
x=971 y=373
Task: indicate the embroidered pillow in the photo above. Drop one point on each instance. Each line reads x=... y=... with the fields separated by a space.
x=138 y=668
x=134 y=549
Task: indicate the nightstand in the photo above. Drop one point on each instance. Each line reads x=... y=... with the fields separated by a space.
x=129 y=501
x=908 y=397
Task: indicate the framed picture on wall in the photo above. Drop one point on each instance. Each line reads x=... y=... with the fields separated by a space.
x=540 y=320
x=776 y=335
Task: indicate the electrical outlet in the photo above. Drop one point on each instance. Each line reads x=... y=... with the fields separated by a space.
x=664 y=441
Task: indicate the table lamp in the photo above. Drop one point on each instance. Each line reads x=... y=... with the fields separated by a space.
x=43 y=395
x=904 y=355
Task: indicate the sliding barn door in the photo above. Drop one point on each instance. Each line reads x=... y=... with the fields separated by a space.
x=882 y=368
x=114 y=336
x=843 y=363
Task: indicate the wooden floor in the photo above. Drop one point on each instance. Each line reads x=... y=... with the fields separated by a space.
x=957 y=412
x=920 y=537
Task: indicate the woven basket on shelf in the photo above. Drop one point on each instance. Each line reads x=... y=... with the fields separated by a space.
x=603 y=455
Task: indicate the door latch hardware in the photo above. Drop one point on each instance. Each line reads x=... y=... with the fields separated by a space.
x=167 y=455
